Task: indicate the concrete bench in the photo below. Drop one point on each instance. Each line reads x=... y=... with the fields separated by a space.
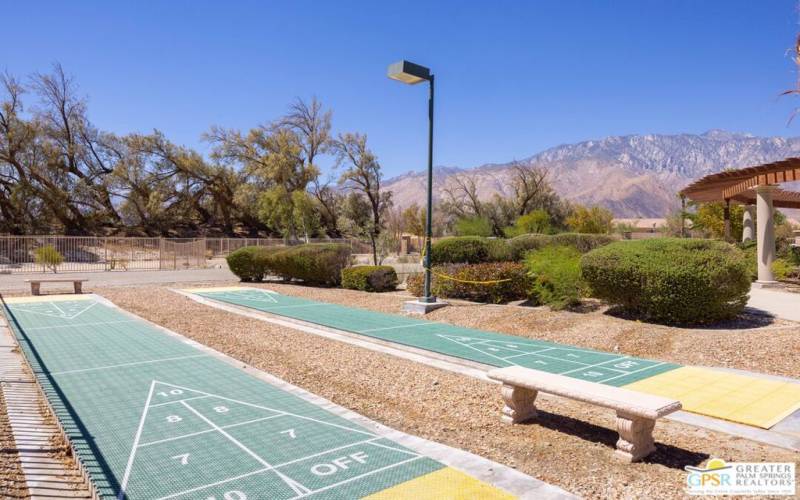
x=37 y=283
x=636 y=412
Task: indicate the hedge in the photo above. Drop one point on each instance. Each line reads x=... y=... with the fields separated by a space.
x=518 y=288
x=460 y=250
x=314 y=264
x=369 y=278
x=670 y=280
x=556 y=272
x=249 y=263
x=520 y=245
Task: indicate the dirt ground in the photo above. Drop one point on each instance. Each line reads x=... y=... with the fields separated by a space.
x=570 y=445
x=12 y=481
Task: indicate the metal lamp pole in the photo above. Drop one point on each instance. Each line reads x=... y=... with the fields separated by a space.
x=410 y=73
x=427 y=297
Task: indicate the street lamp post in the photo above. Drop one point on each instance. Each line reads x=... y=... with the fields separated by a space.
x=410 y=73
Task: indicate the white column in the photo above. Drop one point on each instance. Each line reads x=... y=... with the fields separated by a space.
x=748 y=223
x=765 y=234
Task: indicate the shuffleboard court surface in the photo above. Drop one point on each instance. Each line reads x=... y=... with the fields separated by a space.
x=151 y=416
x=481 y=346
x=738 y=398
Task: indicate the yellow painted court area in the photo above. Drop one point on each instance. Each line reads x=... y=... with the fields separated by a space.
x=738 y=398
x=443 y=483
x=47 y=298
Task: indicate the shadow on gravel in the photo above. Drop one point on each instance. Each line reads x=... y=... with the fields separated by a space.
x=665 y=454
x=747 y=320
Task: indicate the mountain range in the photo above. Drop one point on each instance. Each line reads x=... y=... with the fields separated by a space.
x=633 y=175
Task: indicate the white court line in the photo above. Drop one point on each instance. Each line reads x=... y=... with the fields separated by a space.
x=179 y=400
x=128 y=364
x=473 y=348
x=296 y=305
x=585 y=365
x=294 y=485
x=634 y=371
x=303 y=417
x=599 y=365
x=284 y=464
x=527 y=353
x=99 y=323
x=407 y=452
x=229 y=426
x=359 y=477
x=90 y=306
x=526 y=342
x=217 y=483
x=138 y=436
x=393 y=327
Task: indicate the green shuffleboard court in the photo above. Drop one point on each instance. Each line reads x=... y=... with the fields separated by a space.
x=485 y=347
x=152 y=416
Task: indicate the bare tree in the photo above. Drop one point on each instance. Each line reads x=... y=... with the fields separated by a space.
x=362 y=175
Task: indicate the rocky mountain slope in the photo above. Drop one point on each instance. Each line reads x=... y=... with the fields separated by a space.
x=634 y=176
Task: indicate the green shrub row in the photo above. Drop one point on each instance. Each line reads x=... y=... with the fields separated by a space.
x=369 y=278
x=520 y=245
x=313 y=264
x=670 y=280
x=476 y=250
x=517 y=288
x=250 y=263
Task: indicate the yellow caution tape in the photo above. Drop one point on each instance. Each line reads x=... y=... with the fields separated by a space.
x=453 y=278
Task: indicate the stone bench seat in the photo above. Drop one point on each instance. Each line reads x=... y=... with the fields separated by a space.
x=36 y=284
x=636 y=412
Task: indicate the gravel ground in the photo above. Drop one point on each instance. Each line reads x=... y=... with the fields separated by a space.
x=570 y=445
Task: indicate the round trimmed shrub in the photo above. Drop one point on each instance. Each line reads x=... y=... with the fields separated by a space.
x=460 y=250
x=670 y=280
x=249 y=263
x=469 y=250
x=369 y=278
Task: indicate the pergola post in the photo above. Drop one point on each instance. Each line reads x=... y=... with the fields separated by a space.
x=726 y=217
x=683 y=216
x=765 y=234
x=748 y=223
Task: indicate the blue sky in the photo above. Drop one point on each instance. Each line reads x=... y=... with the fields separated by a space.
x=513 y=78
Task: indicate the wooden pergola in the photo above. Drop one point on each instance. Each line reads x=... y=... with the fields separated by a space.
x=754 y=187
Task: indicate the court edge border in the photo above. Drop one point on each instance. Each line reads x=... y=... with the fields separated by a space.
x=478 y=370
x=496 y=474
x=5 y=324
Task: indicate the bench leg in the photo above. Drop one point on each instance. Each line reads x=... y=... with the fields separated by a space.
x=635 y=437
x=519 y=404
x=35 y=288
x=78 y=287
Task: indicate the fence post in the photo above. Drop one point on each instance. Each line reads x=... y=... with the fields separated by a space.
x=160 y=251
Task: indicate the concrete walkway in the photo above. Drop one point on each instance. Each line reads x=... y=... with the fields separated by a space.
x=16 y=282
x=778 y=303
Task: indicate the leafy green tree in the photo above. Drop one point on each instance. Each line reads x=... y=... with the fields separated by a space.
x=48 y=257
x=537 y=221
x=473 y=226
x=414 y=220
x=710 y=218
x=592 y=220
